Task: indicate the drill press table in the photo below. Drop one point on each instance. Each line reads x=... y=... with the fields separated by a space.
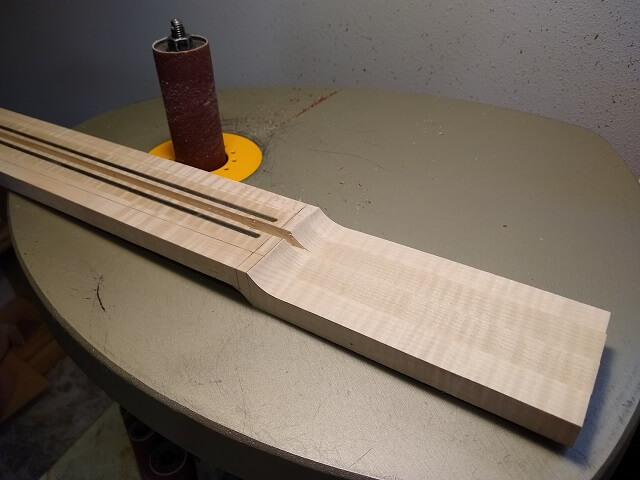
x=531 y=199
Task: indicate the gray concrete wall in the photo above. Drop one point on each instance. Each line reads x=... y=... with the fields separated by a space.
x=577 y=61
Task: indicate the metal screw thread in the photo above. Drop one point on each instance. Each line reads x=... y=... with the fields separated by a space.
x=177 y=29
x=179 y=39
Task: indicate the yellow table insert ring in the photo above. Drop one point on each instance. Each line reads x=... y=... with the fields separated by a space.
x=243 y=156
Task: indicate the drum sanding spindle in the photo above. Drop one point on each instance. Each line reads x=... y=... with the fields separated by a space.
x=185 y=72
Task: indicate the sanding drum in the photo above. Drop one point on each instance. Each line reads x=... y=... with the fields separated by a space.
x=185 y=72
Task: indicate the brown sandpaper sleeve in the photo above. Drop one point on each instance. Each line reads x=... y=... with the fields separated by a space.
x=190 y=101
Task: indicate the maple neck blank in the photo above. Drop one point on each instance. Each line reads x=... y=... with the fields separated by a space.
x=522 y=353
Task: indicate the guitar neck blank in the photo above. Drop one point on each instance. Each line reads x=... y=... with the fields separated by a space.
x=519 y=352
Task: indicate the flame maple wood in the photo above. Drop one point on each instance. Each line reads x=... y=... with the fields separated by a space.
x=522 y=353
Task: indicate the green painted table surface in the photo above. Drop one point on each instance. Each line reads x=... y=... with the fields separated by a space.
x=536 y=200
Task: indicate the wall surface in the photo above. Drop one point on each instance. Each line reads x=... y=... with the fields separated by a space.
x=577 y=61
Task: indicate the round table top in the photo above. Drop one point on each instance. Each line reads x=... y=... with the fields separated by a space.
x=532 y=199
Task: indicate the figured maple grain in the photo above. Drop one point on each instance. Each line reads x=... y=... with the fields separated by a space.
x=522 y=353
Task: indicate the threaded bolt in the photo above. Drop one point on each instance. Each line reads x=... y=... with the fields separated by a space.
x=177 y=29
x=179 y=39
